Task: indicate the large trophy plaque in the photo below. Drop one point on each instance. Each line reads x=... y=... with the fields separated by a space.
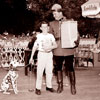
x=69 y=34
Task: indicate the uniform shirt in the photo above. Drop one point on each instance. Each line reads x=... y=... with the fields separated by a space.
x=59 y=51
x=44 y=40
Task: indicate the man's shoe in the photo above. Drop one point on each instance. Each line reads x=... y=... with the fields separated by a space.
x=73 y=89
x=38 y=92
x=50 y=89
x=60 y=88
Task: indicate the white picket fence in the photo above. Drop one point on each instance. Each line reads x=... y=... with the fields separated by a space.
x=9 y=54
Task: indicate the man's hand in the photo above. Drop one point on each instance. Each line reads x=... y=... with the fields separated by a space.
x=76 y=43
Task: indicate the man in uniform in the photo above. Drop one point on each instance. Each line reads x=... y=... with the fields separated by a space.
x=62 y=54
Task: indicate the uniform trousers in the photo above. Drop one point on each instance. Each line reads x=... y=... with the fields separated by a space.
x=45 y=62
x=68 y=62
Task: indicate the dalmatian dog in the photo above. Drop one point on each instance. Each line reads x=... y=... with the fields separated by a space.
x=10 y=80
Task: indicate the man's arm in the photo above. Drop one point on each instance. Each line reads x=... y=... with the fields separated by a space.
x=77 y=41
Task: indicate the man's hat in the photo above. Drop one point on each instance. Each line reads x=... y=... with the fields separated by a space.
x=56 y=7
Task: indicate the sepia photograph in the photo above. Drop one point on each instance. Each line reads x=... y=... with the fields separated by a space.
x=49 y=49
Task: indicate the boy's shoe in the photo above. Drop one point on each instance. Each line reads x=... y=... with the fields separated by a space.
x=50 y=89
x=38 y=92
x=6 y=92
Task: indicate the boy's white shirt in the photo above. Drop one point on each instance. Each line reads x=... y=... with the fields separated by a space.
x=44 y=40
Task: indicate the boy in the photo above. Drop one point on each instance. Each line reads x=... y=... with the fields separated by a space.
x=44 y=43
